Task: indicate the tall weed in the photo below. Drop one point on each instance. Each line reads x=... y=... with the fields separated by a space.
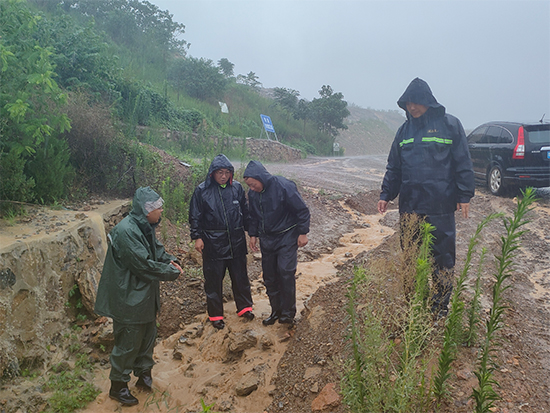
x=386 y=374
x=485 y=394
x=453 y=326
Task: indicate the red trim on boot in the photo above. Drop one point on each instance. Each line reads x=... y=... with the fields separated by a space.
x=244 y=310
x=216 y=318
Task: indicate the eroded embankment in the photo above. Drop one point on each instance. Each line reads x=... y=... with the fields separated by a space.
x=42 y=258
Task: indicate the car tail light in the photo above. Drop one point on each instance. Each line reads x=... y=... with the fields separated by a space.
x=519 y=150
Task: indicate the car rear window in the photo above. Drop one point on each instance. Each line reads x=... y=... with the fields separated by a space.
x=538 y=133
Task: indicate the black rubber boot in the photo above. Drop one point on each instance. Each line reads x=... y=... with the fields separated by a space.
x=271 y=319
x=145 y=382
x=119 y=392
x=219 y=324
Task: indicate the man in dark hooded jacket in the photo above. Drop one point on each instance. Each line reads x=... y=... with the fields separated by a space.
x=218 y=217
x=429 y=167
x=129 y=292
x=280 y=218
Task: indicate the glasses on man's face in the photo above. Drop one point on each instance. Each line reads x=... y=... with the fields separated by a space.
x=221 y=172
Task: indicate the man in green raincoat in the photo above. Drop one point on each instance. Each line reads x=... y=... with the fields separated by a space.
x=129 y=293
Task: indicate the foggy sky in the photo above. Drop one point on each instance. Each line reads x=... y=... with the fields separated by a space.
x=484 y=60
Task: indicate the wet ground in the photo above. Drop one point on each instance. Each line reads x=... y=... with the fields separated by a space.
x=249 y=368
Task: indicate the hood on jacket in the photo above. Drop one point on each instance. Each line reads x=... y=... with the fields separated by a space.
x=419 y=92
x=143 y=196
x=139 y=212
x=219 y=162
x=257 y=171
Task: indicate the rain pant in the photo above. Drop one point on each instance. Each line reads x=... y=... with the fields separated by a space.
x=129 y=288
x=278 y=215
x=429 y=167
x=219 y=216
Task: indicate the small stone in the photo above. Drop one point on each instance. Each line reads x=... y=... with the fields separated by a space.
x=247 y=384
x=326 y=399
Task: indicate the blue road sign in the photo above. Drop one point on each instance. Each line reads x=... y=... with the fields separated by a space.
x=268 y=125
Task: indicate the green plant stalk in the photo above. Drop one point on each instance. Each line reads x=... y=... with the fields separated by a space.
x=355 y=379
x=485 y=395
x=417 y=329
x=453 y=325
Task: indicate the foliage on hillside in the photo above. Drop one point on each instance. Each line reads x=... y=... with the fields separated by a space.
x=121 y=65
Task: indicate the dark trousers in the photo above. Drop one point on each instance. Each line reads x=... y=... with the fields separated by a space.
x=133 y=350
x=444 y=256
x=279 y=262
x=214 y=273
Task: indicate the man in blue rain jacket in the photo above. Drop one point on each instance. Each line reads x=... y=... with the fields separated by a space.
x=280 y=218
x=429 y=167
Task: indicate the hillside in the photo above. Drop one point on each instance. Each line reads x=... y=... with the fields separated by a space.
x=370 y=132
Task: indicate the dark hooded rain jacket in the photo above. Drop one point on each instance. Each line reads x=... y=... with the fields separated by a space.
x=429 y=164
x=218 y=215
x=135 y=263
x=278 y=208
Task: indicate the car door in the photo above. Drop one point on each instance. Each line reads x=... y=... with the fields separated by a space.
x=495 y=151
x=476 y=147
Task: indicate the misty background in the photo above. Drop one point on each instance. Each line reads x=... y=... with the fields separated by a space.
x=484 y=60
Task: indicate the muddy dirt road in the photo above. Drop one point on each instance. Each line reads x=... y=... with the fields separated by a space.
x=345 y=175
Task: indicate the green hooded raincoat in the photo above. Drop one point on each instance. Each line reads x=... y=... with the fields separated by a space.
x=135 y=263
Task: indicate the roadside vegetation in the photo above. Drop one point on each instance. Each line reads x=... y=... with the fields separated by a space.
x=85 y=83
x=399 y=360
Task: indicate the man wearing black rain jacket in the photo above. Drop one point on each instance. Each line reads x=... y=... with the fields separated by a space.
x=129 y=293
x=218 y=217
x=429 y=167
x=280 y=218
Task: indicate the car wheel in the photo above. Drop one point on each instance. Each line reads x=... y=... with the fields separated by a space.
x=495 y=181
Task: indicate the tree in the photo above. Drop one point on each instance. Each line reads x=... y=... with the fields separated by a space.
x=226 y=67
x=286 y=98
x=251 y=79
x=31 y=105
x=81 y=56
x=132 y=23
x=302 y=111
x=198 y=77
x=329 y=111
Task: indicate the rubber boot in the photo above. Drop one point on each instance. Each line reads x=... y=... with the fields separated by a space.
x=145 y=382
x=119 y=392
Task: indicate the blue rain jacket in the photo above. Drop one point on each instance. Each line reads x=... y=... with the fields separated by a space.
x=429 y=164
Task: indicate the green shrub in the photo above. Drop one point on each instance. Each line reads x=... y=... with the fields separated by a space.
x=51 y=170
x=15 y=185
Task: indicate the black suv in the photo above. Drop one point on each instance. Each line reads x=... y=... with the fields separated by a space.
x=511 y=154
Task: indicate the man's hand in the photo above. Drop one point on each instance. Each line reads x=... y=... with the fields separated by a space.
x=465 y=208
x=302 y=240
x=253 y=244
x=175 y=264
x=199 y=245
x=382 y=206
